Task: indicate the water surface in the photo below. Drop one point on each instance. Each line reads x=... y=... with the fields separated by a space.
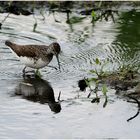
x=81 y=43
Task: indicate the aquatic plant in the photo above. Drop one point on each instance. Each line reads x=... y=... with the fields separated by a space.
x=89 y=82
x=123 y=79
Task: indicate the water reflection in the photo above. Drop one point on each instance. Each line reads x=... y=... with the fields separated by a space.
x=38 y=90
x=127 y=41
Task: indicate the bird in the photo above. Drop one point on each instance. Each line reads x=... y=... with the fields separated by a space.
x=35 y=56
x=38 y=90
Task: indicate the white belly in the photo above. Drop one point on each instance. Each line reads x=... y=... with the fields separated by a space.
x=30 y=62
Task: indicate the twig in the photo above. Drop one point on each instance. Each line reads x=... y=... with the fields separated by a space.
x=4 y=20
x=133 y=116
x=138 y=108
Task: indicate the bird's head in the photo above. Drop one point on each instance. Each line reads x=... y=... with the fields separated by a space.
x=55 y=49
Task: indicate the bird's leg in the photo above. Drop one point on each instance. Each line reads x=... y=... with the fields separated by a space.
x=52 y=67
x=24 y=70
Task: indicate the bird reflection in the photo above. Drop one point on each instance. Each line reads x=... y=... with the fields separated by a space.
x=38 y=90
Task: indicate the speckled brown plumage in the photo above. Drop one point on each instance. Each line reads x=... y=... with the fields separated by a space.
x=35 y=52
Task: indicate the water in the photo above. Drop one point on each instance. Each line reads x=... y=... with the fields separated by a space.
x=81 y=43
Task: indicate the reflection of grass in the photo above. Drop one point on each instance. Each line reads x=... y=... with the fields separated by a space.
x=46 y=34
x=75 y=19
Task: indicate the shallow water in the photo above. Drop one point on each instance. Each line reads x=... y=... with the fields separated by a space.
x=81 y=43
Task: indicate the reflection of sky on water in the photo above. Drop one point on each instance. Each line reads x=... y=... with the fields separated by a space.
x=20 y=118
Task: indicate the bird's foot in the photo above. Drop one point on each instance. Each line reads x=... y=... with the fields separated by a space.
x=52 y=67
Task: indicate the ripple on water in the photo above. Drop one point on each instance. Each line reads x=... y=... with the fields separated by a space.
x=80 y=44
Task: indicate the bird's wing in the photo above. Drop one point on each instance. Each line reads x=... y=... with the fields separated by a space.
x=29 y=50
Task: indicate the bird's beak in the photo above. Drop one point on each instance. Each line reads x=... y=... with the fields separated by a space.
x=58 y=61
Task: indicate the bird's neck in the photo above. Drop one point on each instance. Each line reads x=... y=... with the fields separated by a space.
x=50 y=50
